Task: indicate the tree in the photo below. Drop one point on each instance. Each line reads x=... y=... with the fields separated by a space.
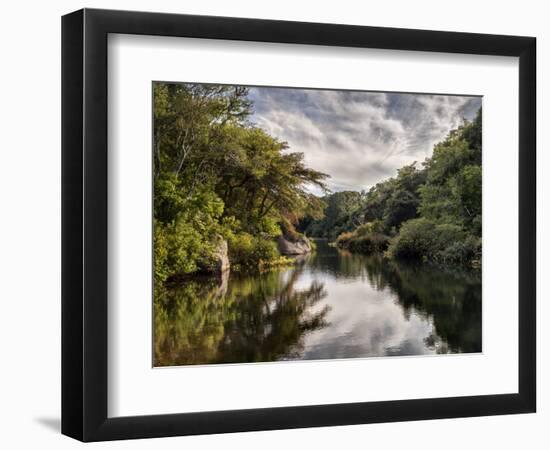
x=338 y=211
x=216 y=174
x=404 y=199
x=433 y=213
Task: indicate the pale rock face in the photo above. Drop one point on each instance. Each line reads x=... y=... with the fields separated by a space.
x=300 y=247
x=222 y=258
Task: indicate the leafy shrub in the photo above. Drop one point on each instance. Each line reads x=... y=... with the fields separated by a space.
x=369 y=243
x=365 y=239
x=264 y=250
x=343 y=240
x=414 y=240
x=180 y=249
x=467 y=251
x=376 y=226
x=427 y=241
x=160 y=254
x=250 y=252
x=187 y=242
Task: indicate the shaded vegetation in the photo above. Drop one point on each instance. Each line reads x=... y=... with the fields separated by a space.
x=340 y=214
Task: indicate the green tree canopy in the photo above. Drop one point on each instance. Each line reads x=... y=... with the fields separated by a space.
x=215 y=173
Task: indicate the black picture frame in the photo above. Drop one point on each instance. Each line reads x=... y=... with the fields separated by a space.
x=84 y=224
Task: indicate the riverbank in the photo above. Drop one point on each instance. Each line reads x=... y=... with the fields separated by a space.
x=418 y=241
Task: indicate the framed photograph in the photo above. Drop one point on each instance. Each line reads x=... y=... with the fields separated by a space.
x=273 y=224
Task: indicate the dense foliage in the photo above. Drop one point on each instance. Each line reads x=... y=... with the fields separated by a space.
x=386 y=205
x=340 y=210
x=448 y=229
x=217 y=176
x=366 y=238
x=429 y=214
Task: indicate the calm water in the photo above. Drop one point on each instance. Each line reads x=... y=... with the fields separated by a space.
x=332 y=304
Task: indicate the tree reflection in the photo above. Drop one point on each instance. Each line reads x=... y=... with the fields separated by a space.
x=247 y=319
x=277 y=315
x=452 y=299
x=339 y=263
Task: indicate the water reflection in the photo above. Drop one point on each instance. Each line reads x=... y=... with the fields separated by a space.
x=331 y=304
x=249 y=319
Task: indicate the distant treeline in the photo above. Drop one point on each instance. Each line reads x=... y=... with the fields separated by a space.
x=430 y=213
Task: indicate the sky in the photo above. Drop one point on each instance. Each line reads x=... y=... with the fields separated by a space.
x=359 y=138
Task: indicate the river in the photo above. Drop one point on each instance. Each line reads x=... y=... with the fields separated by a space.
x=330 y=304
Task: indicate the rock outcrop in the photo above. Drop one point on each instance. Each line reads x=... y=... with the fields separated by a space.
x=298 y=246
x=221 y=257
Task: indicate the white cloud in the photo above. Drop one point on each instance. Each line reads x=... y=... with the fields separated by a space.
x=359 y=138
